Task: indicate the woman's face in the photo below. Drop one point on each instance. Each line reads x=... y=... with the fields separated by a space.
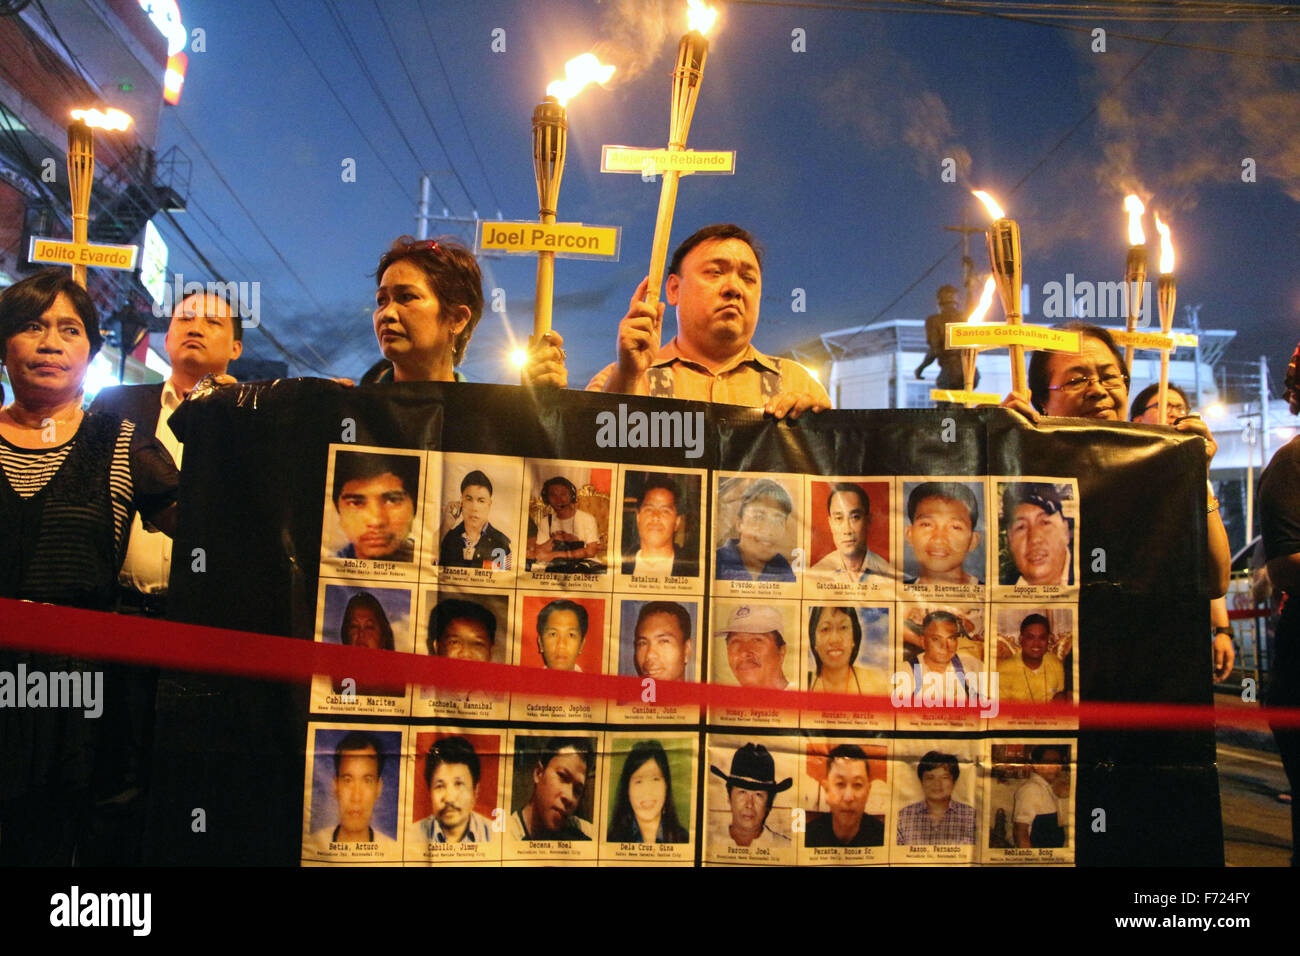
x=646 y=791
x=364 y=629
x=413 y=331
x=47 y=357
x=1089 y=384
x=834 y=639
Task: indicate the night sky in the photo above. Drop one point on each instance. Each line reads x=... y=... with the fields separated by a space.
x=838 y=166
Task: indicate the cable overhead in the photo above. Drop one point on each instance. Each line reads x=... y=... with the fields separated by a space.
x=351 y=44
x=420 y=100
x=433 y=45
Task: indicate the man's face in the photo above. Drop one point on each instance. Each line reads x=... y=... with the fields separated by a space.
x=1106 y=398
x=847 y=786
x=756 y=659
x=761 y=529
x=357 y=786
x=748 y=809
x=1033 y=643
x=717 y=296
x=834 y=639
x=937 y=784
x=465 y=640
x=941 y=535
x=662 y=650
x=558 y=789
x=201 y=336
x=561 y=640
x=376 y=515
x=1175 y=408
x=560 y=500
x=656 y=519
x=1040 y=544
x=364 y=628
x=850 y=521
x=475 y=503
x=453 y=793
x=940 y=640
x=1050 y=768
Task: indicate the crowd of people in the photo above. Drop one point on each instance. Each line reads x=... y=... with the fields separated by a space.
x=88 y=498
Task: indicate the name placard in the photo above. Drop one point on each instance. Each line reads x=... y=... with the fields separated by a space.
x=568 y=240
x=68 y=253
x=651 y=162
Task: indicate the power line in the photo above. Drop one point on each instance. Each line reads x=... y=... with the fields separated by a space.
x=351 y=44
x=338 y=99
x=433 y=45
x=418 y=99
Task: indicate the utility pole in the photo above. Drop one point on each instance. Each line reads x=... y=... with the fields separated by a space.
x=967 y=263
x=1263 y=412
x=1193 y=313
x=422 y=218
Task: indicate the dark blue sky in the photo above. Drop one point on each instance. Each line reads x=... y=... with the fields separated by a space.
x=838 y=167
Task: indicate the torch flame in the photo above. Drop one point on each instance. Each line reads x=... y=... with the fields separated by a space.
x=1166 y=247
x=112 y=119
x=986 y=300
x=700 y=17
x=990 y=204
x=1133 y=206
x=578 y=72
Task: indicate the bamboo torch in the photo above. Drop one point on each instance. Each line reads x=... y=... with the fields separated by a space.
x=977 y=315
x=1004 y=259
x=81 y=170
x=692 y=51
x=1166 y=295
x=1135 y=268
x=550 y=142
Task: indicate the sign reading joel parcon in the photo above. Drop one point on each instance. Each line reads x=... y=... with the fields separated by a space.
x=565 y=239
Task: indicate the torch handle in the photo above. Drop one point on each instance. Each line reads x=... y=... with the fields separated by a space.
x=545 y=293
x=1166 y=296
x=663 y=230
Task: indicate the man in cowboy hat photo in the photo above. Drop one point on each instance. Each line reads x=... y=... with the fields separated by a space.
x=751 y=788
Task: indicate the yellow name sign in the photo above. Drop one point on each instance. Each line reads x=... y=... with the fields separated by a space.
x=651 y=162
x=68 y=253
x=566 y=239
x=1155 y=341
x=963 y=397
x=969 y=335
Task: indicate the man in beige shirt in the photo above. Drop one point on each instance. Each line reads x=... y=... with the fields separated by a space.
x=715 y=281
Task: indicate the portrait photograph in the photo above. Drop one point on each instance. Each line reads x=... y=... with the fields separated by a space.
x=748 y=798
x=369 y=616
x=1030 y=798
x=659 y=638
x=554 y=784
x=844 y=793
x=1037 y=661
x=456 y=790
x=354 y=792
x=476 y=537
x=567 y=522
x=851 y=544
x=372 y=511
x=755 y=644
x=942 y=526
x=757 y=534
x=649 y=797
x=660 y=529
x=1037 y=521
x=933 y=804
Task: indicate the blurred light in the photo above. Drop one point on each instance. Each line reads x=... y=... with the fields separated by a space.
x=518 y=358
x=166 y=16
x=113 y=119
x=1215 y=410
x=174 y=77
x=100 y=374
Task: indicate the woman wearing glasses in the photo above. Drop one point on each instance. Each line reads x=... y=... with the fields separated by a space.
x=1093 y=383
x=428 y=301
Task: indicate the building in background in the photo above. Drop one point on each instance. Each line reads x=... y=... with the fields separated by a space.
x=76 y=54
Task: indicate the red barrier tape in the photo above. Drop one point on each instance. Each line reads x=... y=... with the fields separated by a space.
x=98 y=635
x=1250 y=612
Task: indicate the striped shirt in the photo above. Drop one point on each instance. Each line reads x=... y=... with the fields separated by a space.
x=30 y=469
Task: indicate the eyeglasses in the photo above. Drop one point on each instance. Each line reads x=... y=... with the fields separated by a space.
x=1110 y=381
x=1176 y=408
